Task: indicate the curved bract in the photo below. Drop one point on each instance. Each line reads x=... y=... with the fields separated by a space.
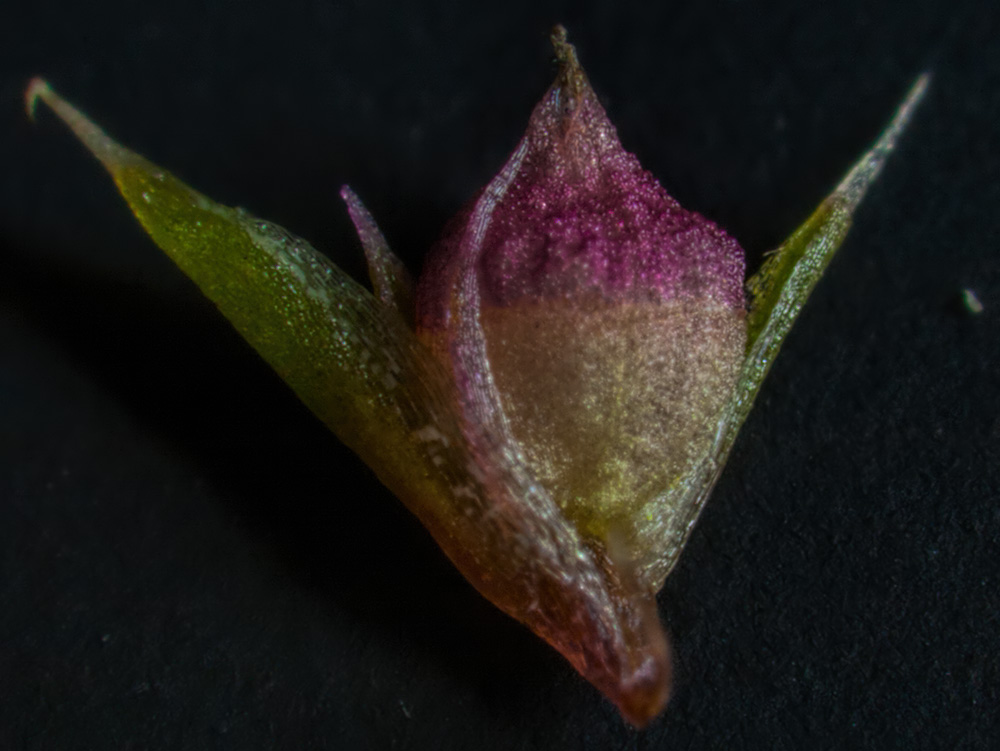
x=557 y=396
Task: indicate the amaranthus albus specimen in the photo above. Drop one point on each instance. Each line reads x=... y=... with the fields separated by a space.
x=558 y=395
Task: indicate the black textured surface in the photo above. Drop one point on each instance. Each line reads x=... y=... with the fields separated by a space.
x=188 y=560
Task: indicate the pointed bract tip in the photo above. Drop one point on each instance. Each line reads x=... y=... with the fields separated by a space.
x=913 y=98
x=37 y=87
x=363 y=221
x=904 y=112
x=105 y=149
x=854 y=185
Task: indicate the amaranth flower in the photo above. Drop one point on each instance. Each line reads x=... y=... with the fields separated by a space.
x=557 y=397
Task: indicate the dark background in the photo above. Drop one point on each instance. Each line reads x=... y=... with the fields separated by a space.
x=189 y=560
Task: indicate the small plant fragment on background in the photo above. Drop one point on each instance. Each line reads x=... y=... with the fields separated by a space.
x=971 y=302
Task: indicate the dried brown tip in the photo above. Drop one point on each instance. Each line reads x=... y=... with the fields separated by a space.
x=571 y=76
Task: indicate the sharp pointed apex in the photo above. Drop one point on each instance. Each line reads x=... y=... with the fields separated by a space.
x=854 y=185
x=389 y=276
x=37 y=88
x=111 y=154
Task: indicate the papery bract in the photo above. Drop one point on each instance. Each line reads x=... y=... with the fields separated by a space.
x=557 y=399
